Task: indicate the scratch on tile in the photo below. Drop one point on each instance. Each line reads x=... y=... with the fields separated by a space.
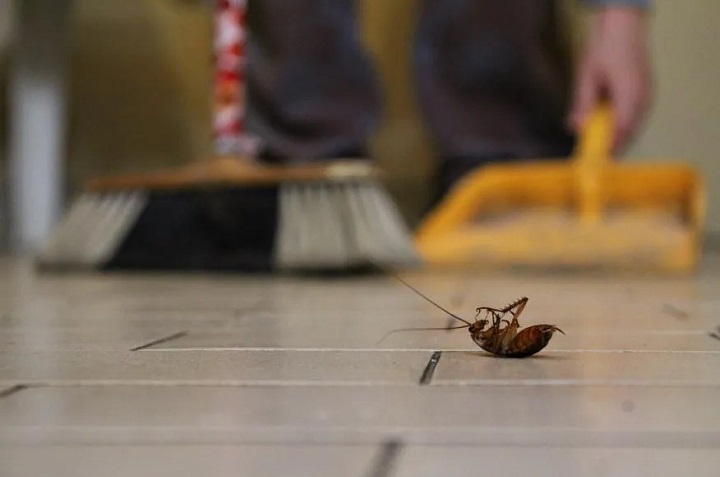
x=12 y=390
x=675 y=312
x=256 y=307
x=427 y=374
x=384 y=464
x=158 y=341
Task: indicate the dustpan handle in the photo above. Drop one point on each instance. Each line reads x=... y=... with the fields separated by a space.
x=593 y=151
x=594 y=146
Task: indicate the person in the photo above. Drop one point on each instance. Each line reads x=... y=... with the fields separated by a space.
x=494 y=80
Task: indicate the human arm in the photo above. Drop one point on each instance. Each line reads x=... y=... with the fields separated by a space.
x=615 y=65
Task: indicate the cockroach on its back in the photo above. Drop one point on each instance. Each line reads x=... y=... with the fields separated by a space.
x=489 y=334
x=508 y=340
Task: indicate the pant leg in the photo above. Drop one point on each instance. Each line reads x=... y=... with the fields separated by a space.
x=493 y=81
x=312 y=91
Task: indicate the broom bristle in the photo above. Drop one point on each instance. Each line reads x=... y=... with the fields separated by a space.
x=310 y=228
x=92 y=230
x=340 y=225
x=342 y=221
x=380 y=231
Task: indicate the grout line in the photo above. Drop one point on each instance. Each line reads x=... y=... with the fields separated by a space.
x=13 y=390
x=384 y=464
x=447 y=436
x=165 y=339
x=449 y=383
x=190 y=309
x=422 y=350
x=575 y=382
x=427 y=374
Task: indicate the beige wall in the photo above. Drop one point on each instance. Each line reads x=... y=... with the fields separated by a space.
x=140 y=87
x=685 y=121
x=141 y=78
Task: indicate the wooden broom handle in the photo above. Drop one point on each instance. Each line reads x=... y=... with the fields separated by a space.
x=235 y=171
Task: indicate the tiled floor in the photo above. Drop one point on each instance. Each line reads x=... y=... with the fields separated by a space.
x=192 y=375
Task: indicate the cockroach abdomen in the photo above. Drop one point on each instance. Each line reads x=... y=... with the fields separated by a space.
x=531 y=340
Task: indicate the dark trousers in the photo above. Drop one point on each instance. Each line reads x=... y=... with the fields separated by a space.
x=492 y=78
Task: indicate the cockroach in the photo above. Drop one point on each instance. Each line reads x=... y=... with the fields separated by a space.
x=490 y=334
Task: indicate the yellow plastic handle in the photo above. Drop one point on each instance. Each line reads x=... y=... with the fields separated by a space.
x=596 y=138
x=594 y=150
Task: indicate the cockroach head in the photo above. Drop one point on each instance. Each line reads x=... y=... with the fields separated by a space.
x=479 y=325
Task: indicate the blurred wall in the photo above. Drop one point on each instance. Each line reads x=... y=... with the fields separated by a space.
x=141 y=79
x=140 y=85
x=401 y=145
x=6 y=31
x=685 y=121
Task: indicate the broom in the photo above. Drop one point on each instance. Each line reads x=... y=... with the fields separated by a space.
x=234 y=213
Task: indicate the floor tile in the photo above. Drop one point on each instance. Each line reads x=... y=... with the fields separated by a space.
x=638 y=368
x=266 y=371
x=363 y=331
x=94 y=330
x=191 y=461
x=459 y=461
x=111 y=338
x=601 y=322
x=208 y=367
x=492 y=415
x=347 y=330
x=359 y=367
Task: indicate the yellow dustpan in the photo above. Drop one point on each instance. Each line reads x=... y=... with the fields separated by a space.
x=588 y=212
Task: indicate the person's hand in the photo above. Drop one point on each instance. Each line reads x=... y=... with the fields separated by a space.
x=615 y=67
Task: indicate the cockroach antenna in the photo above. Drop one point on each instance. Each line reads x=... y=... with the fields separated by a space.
x=429 y=300
x=419 y=329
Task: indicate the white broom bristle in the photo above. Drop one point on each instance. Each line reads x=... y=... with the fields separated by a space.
x=380 y=231
x=395 y=241
x=340 y=224
x=92 y=230
x=310 y=229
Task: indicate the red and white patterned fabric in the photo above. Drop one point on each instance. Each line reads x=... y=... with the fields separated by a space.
x=229 y=89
